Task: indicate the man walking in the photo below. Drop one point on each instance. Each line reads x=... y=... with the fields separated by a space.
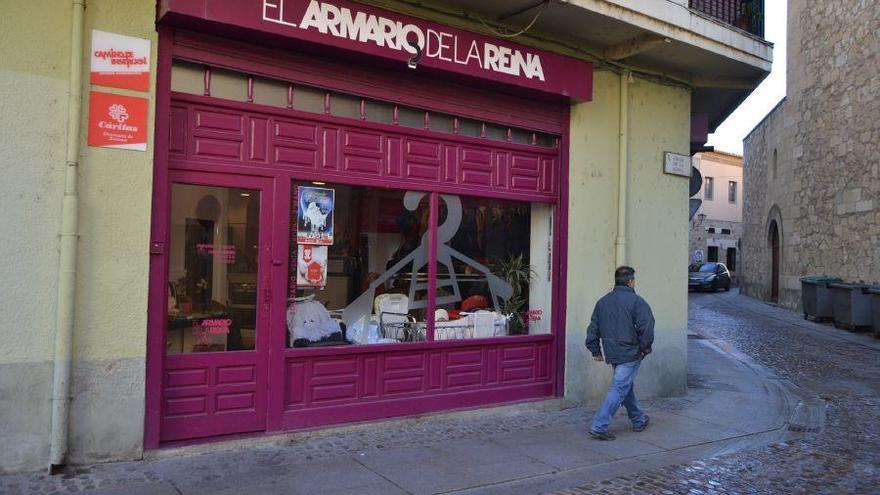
x=624 y=323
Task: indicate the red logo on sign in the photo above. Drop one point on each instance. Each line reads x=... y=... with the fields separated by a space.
x=117 y=121
x=314 y=273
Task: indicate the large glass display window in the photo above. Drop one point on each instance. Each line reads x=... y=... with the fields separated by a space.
x=366 y=266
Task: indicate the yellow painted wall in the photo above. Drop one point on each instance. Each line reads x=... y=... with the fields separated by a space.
x=115 y=192
x=659 y=120
x=33 y=105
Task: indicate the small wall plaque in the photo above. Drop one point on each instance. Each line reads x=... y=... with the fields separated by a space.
x=675 y=164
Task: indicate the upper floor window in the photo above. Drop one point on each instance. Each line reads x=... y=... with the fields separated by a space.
x=731 y=191
x=709 y=188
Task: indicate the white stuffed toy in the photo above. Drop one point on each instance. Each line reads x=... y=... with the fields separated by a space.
x=310 y=320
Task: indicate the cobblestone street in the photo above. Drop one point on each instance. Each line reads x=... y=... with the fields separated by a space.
x=843 y=457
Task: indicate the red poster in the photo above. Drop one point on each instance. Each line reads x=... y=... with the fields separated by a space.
x=117 y=121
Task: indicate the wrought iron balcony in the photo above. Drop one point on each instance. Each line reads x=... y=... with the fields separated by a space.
x=747 y=15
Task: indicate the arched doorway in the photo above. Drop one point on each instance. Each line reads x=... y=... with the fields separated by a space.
x=773 y=240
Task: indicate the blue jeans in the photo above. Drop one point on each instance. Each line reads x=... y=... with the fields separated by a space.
x=620 y=392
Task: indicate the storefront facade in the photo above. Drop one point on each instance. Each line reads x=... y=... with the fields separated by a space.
x=343 y=212
x=337 y=240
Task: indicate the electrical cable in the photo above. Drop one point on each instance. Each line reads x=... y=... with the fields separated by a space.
x=522 y=31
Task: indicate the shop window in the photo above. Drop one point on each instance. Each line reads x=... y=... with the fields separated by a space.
x=411 y=117
x=496 y=132
x=359 y=267
x=440 y=122
x=547 y=140
x=270 y=92
x=188 y=78
x=343 y=105
x=380 y=111
x=229 y=85
x=212 y=269
x=470 y=128
x=308 y=99
x=493 y=270
x=521 y=136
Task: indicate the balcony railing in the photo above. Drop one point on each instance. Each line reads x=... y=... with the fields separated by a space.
x=747 y=15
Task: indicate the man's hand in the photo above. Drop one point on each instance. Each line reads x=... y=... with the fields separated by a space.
x=598 y=358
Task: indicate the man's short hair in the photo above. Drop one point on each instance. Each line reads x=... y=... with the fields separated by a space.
x=623 y=275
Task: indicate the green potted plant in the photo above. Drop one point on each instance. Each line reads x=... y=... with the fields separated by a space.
x=518 y=274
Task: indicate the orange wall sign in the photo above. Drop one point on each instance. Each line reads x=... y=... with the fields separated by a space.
x=117 y=121
x=120 y=61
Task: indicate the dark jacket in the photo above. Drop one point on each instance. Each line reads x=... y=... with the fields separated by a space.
x=624 y=322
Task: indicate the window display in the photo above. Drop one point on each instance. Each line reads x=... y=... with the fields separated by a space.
x=493 y=267
x=369 y=291
x=370 y=284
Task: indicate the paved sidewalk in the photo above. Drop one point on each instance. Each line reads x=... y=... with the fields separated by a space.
x=730 y=405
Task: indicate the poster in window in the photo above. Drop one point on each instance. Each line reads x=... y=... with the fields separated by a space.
x=311 y=266
x=314 y=219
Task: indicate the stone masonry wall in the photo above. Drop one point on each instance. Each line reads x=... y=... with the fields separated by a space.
x=823 y=187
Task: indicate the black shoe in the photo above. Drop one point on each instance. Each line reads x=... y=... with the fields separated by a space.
x=601 y=435
x=644 y=425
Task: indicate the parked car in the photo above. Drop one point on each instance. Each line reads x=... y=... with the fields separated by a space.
x=709 y=276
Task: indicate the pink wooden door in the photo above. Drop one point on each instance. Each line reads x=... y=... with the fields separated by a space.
x=216 y=334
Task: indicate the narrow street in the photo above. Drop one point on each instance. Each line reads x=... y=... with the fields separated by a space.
x=841 y=369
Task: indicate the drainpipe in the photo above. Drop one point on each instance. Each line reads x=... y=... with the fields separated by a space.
x=64 y=320
x=623 y=143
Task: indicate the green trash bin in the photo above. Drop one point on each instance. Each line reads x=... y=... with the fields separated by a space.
x=852 y=306
x=817 y=298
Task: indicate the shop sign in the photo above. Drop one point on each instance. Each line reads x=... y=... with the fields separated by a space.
x=225 y=253
x=311 y=267
x=117 y=121
x=209 y=327
x=366 y=29
x=675 y=164
x=314 y=219
x=120 y=61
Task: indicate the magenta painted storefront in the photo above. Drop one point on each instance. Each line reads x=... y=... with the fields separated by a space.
x=338 y=237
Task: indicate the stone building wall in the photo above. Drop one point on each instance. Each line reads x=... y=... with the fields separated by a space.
x=812 y=165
